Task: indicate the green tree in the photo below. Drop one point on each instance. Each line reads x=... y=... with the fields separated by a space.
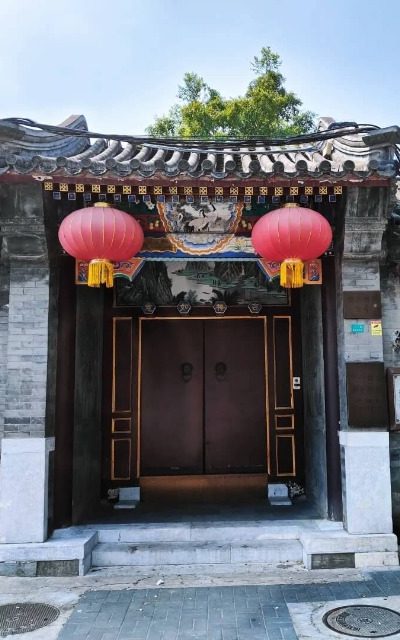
x=266 y=109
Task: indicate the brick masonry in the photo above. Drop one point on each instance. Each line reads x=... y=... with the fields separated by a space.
x=390 y=314
x=361 y=347
x=359 y=275
x=391 y=323
x=4 y=299
x=370 y=274
x=24 y=266
x=25 y=401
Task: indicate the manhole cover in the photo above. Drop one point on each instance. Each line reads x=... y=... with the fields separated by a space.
x=363 y=621
x=21 y=617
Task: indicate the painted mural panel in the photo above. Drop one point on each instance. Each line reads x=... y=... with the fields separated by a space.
x=198 y=228
x=200 y=217
x=200 y=283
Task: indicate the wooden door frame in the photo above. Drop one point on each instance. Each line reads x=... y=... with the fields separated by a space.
x=262 y=318
x=110 y=481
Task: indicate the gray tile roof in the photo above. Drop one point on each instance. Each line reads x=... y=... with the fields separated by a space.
x=51 y=154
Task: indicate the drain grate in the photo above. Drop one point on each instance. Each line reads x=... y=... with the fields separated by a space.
x=21 y=617
x=363 y=621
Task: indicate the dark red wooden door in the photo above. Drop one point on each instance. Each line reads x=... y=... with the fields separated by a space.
x=171 y=435
x=203 y=402
x=235 y=396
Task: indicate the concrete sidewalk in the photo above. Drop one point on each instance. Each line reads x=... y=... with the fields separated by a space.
x=253 y=603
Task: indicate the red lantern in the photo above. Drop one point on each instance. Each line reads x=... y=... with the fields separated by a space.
x=291 y=235
x=100 y=234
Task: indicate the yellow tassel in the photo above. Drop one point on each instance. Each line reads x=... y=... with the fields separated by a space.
x=292 y=276
x=100 y=272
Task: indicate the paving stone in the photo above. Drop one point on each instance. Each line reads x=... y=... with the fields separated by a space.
x=289 y=634
x=275 y=634
x=102 y=634
x=210 y=613
x=94 y=595
x=90 y=606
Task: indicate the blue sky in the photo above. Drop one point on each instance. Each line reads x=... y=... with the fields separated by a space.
x=120 y=62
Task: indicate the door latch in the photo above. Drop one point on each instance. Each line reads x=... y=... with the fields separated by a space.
x=296 y=383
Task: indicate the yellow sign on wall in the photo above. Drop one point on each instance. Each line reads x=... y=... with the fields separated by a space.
x=376 y=327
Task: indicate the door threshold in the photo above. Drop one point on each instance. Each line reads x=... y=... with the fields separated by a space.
x=205 y=488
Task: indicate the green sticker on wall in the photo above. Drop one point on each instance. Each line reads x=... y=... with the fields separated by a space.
x=357 y=327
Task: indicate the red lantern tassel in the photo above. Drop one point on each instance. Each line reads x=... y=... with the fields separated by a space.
x=100 y=272
x=292 y=273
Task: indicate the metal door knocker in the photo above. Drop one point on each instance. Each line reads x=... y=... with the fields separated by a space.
x=220 y=370
x=187 y=371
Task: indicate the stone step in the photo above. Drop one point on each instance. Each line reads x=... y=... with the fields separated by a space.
x=271 y=552
x=207 y=532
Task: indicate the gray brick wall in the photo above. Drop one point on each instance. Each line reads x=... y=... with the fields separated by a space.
x=391 y=322
x=4 y=298
x=25 y=408
x=360 y=275
x=390 y=314
x=361 y=347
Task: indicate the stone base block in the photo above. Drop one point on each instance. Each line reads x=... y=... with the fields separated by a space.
x=129 y=498
x=24 y=489
x=367 y=488
x=278 y=495
x=126 y=504
x=66 y=553
x=376 y=559
x=339 y=549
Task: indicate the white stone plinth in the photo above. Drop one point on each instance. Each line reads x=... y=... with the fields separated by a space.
x=129 y=498
x=24 y=489
x=278 y=494
x=366 y=481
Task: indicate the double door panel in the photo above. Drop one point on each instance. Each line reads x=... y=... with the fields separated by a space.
x=203 y=397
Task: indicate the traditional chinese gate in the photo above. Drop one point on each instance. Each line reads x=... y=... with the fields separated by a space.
x=202 y=396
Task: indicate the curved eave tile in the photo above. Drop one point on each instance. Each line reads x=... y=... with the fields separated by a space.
x=172 y=172
x=96 y=167
x=50 y=153
x=47 y=165
x=41 y=143
x=26 y=165
x=196 y=173
x=120 y=169
x=147 y=172
x=103 y=160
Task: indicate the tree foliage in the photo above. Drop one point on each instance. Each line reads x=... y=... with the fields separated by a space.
x=266 y=109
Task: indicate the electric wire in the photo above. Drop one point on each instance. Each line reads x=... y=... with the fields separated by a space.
x=220 y=145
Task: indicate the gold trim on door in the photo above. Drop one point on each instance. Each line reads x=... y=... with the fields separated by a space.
x=115 y=409
x=290 y=417
x=128 y=442
x=289 y=318
x=278 y=439
x=114 y=428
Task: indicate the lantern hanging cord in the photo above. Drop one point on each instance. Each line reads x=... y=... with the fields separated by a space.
x=196 y=145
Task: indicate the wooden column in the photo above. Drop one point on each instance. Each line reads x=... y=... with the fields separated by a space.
x=314 y=398
x=332 y=414
x=64 y=380
x=88 y=401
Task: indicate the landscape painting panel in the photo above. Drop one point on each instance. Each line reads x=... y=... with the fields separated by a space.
x=200 y=283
